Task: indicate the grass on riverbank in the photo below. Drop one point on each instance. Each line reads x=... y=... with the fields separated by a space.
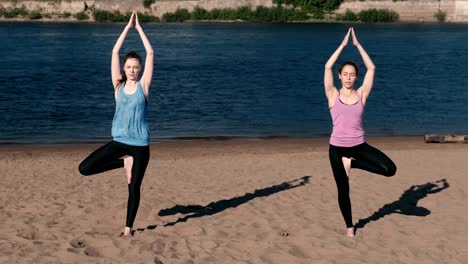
x=260 y=14
x=369 y=16
x=22 y=12
x=245 y=13
x=116 y=16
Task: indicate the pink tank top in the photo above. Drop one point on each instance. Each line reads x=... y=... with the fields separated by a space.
x=347 y=123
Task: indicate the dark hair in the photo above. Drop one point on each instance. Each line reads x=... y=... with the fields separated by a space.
x=131 y=55
x=348 y=63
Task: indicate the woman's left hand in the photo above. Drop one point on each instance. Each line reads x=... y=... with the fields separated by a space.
x=355 y=41
x=137 y=23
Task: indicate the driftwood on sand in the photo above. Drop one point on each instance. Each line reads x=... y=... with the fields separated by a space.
x=437 y=138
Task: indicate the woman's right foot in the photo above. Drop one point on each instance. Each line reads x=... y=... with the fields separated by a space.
x=128 y=232
x=128 y=164
x=347 y=165
x=350 y=232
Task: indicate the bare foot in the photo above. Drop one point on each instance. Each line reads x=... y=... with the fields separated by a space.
x=347 y=165
x=128 y=232
x=350 y=232
x=128 y=163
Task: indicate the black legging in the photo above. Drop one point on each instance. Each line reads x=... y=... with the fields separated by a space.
x=365 y=157
x=109 y=157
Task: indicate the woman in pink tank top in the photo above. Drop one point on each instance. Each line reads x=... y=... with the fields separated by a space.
x=348 y=147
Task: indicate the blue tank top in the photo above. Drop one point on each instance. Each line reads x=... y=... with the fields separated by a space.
x=129 y=125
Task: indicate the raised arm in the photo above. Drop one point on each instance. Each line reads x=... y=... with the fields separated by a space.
x=328 y=76
x=148 y=72
x=366 y=87
x=115 y=63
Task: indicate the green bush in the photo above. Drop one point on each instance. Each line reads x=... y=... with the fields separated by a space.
x=311 y=6
x=180 y=15
x=331 y=5
x=440 y=15
x=244 y=13
x=347 y=16
x=200 y=14
x=214 y=14
x=260 y=14
x=106 y=16
x=317 y=8
x=263 y=14
x=102 y=15
x=35 y=15
x=81 y=16
x=378 y=15
x=15 y=12
x=148 y=3
x=144 y=17
x=168 y=17
x=120 y=17
x=282 y=14
x=66 y=15
x=22 y=11
x=116 y=16
x=227 y=14
x=318 y=14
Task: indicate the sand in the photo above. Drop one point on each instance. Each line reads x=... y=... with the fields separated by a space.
x=246 y=201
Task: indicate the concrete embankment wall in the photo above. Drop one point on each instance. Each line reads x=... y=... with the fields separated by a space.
x=414 y=10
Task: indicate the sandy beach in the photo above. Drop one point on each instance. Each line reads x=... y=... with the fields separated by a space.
x=238 y=201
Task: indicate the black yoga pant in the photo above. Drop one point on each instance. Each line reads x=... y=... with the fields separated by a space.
x=109 y=157
x=365 y=157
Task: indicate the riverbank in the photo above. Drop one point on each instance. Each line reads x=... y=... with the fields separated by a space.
x=66 y=11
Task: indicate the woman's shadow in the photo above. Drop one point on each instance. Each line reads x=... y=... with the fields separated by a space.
x=407 y=203
x=195 y=211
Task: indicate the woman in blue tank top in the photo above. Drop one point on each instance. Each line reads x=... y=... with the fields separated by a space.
x=130 y=145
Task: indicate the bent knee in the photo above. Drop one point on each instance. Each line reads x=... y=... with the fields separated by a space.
x=83 y=170
x=390 y=171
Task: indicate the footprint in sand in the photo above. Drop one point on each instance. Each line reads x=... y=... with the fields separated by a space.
x=157 y=261
x=27 y=232
x=73 y=250
x=58 y=207
x=192 y=231
x=158 y=246
x=92 y=252
x=209 y=245
x=6 y=248
x=89 y=210
x=77 y=243
x=51 y=224
x=297 y=252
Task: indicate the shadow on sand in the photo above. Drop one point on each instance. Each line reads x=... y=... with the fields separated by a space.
x=195 y=211
x=407 y=203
